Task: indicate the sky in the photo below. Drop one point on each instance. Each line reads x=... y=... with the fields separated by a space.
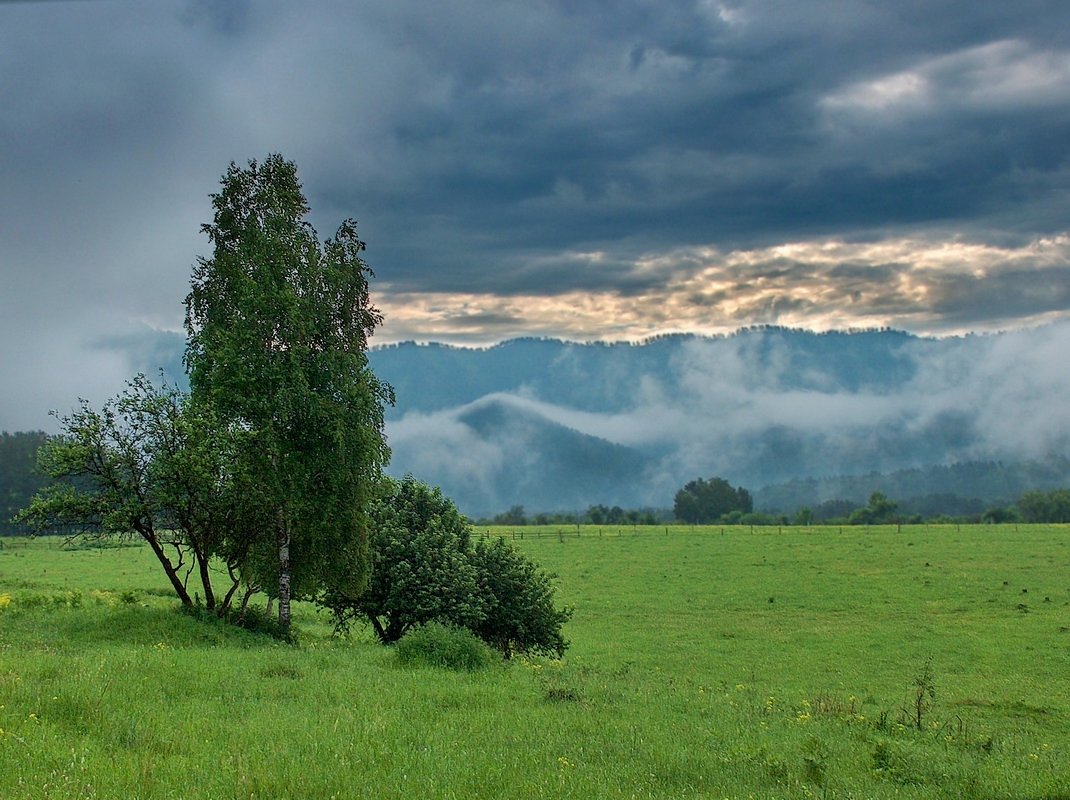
x=577 y=170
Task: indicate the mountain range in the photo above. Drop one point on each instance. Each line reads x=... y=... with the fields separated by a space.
x=555 y=425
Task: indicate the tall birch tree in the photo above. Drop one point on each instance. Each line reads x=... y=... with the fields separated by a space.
x=278 y=326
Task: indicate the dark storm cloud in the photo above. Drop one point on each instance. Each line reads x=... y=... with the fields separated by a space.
x=539 y=167
x=1003 y=297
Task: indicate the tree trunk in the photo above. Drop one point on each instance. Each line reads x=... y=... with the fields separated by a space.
x=228 y=598
x=206 y=578
x=283 y=538
x=176 y=582
x=377 y=626
x=395 y=629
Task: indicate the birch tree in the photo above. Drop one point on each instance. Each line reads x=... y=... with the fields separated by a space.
x=278 y=326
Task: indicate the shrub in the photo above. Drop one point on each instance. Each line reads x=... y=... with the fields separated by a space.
x=434 y=644
x=425 y=568
x=519 y=600
x=420 y=565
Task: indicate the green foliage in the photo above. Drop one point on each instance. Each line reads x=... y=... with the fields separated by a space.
x=514 y=516
x=421 y=569
x=278 y=328
x=1000 y=515
x=434 y=644
x=704 y=501
x=519 y=614
x=1038 y=506
x=922 y=696
x=268 y=466
x=149 y=464
x=594 y=515
x=880 y=511
x=601 y=515
x=425 y=568
x=19 y=478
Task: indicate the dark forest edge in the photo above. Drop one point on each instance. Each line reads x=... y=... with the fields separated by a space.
x=1034 y=506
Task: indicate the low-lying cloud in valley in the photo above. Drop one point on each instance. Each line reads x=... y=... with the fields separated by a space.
x=759 y=407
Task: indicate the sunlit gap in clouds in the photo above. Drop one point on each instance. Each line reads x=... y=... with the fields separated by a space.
x=929 y=287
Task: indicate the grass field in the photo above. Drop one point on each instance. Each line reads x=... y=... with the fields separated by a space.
x=704 y=663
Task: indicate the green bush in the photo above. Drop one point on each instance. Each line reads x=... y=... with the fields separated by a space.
x=425 y=568
x=518 y=596
x=420 y=566
x=436 y=645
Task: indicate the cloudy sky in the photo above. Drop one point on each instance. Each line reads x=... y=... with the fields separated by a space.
x=580 y=170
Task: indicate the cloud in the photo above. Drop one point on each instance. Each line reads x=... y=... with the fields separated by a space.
x=535 y=168
x=1008 y=75
x=760 y=408
x=925 y=286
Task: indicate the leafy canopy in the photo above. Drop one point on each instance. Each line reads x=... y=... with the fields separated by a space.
x=425 y=568
x=278 y=326
x=149 y=464
x=704 y=501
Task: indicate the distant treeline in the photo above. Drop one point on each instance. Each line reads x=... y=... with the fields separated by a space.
x=965 y=489
x=1033 y=506
x=19 y=479
x=594 y=515
x=954 y=495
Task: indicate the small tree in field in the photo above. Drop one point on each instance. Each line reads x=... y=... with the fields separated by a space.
x=151 y=465
x=425 y=568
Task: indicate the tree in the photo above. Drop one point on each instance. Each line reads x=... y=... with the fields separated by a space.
x=1040 y=506
x=880 y=510
x=278 y=327
x=519 y=614
x=998 y=515
x=425 y=568
x=514 y=516
x=703 y=502
x=152 y=465
x=421 y=567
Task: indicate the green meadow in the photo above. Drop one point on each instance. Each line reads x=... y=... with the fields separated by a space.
x=922 y=662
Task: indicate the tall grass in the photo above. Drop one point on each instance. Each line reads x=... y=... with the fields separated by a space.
x=703 y=664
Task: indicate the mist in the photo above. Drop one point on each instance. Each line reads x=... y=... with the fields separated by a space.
x=757 y=408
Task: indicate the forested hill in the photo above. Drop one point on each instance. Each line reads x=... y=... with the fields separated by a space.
x=576 y=424
x=603 y=377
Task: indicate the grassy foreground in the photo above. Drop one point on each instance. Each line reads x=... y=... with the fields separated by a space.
x=732 y=664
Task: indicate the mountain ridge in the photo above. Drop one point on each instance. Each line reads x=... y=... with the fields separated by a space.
x=761 y=407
